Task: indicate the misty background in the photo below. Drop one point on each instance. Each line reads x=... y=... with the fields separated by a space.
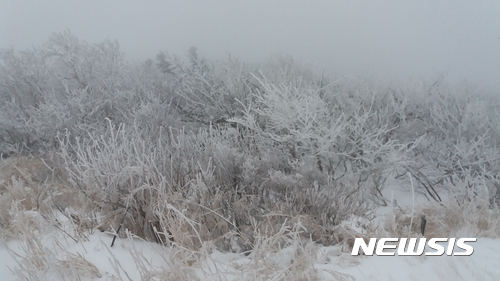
x=387 y=40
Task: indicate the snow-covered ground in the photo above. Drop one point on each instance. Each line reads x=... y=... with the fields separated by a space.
x=133 y=259
x=331 y=262
x=482 y=265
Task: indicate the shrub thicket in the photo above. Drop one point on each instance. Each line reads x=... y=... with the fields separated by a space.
x=199 y=151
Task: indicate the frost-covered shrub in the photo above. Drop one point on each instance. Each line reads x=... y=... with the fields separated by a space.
x=459 y=132
x=70 y=85
x=39 y=83
x=211 y=178
x=213 y=92
x=339 y=131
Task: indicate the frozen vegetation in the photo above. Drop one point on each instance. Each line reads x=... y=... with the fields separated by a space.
x=234 y=171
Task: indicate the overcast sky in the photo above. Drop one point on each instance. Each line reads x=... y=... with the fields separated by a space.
x=386 y=39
